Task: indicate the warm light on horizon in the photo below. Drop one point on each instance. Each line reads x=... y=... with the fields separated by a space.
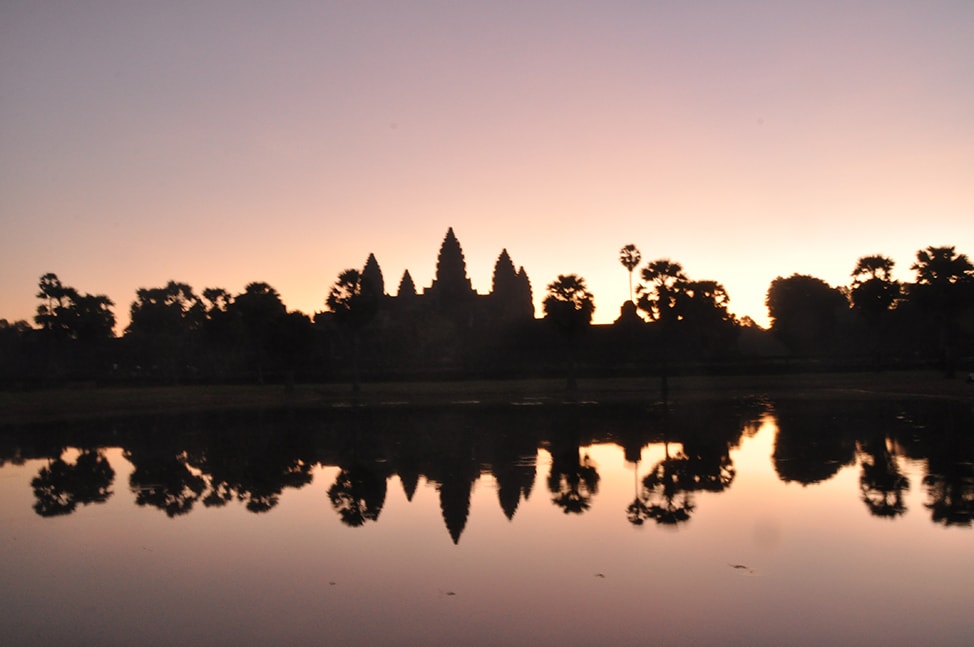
x=745 y=141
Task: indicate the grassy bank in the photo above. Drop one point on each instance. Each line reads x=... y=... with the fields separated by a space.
x=22 y=407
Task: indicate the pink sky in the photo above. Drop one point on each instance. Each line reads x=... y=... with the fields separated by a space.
x=219 y=143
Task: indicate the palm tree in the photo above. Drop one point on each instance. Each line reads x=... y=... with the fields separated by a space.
x=944 y=287
x=569 y=306
x=630 y=257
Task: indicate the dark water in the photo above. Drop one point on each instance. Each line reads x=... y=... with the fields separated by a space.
x=751 y=523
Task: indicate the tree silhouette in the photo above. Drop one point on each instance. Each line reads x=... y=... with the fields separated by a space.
x=354 y=302
x=569 y=307
x=261 y=314
x=65 y=313
x=803 y=311
x=945 y=289
x=630 y=257
x=664 y=281
x=873 y=294
x=873 y=289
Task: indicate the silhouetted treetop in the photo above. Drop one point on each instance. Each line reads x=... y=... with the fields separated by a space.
x=803 y=311
x=65 y=312
x=352 y=299
x=941 y=265
x=569 y=304
x=630 y=257
x=873 y=289
x=658 y=296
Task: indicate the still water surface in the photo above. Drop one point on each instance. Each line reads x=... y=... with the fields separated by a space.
x=750 y=523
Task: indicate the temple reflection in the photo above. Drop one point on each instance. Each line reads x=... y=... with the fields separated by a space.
x=181 y=464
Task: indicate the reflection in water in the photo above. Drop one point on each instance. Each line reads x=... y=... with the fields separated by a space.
x=881 y=482
x=181 y=461
x=60 y=487
x=296 y=546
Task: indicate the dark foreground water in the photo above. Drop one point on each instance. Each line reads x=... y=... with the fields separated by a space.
x=749 y=523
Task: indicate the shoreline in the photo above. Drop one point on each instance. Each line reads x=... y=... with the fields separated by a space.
x=65 y=404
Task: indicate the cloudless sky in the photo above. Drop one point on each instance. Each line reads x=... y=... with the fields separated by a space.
x=222 y=142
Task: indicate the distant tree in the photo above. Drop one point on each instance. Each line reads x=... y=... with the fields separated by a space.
x=945 y=289
x=569 y=304
x=173 y=310
x=630 y=257
x=873 y=289
x=803 y=311
x=354 y=302
x=163 y=329
x=940 y=266
x=260 y=314
x=65 y=313
x=664 y=281
x=569 y=307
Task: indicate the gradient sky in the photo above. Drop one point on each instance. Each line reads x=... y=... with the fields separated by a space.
x=222 y=142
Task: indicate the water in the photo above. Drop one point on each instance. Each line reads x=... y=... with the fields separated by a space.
x=750 y=523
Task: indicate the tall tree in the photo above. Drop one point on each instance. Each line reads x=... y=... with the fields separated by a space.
x=630 y=257
x=353 y=301
x=803 y=311
x=945 y=289
x=569 y=307
x=664 y=280
x=873 y=289
x=68 y=314
x=261 y=314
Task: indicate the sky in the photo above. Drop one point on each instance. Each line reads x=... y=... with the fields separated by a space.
x=218 y=143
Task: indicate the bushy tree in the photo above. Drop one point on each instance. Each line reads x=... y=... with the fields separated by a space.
x=803 y=311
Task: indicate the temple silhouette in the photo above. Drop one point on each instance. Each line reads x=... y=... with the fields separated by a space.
x=451 y=294
x=448 y=328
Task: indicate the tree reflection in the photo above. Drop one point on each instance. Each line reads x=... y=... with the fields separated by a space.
x=665 y=495
x=574 y=479
x=813 y=443
x=950 y=476
x=881 y=484
x=164 y=480
x=60 y=487
x=358 y=495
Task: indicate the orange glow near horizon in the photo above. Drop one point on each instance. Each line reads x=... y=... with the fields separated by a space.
x=746 y=140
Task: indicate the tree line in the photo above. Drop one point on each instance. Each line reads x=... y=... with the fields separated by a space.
x=670 y=322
